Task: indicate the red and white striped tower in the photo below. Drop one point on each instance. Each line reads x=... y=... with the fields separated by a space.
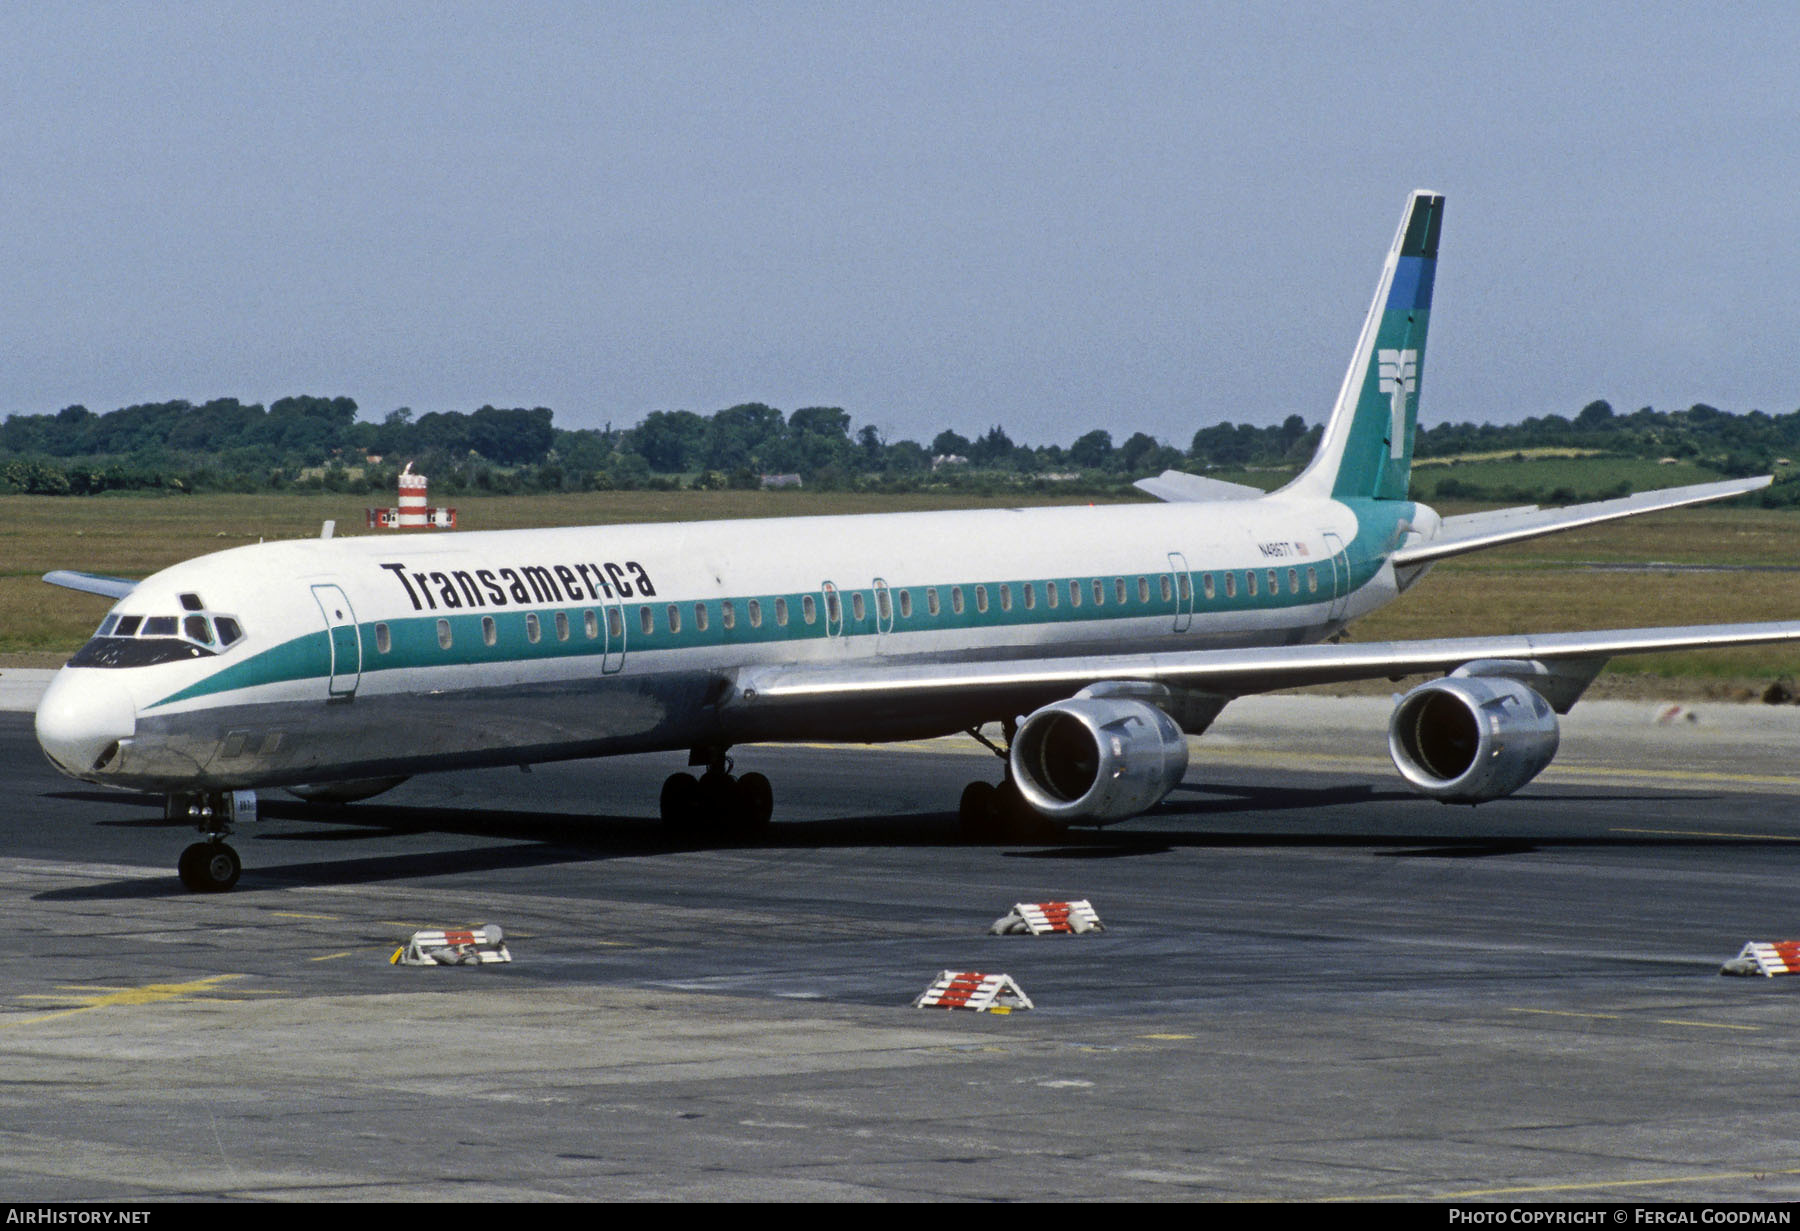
x=413 y=513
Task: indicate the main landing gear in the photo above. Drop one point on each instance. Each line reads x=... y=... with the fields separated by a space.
x=990 y=813
x=716 y=802
x=211 y=866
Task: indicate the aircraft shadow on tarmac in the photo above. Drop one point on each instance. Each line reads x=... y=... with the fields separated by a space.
x=537 y=839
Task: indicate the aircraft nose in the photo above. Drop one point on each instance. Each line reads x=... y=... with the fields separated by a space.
x=83 y=715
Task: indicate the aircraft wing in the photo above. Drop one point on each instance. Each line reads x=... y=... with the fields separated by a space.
x=893 y=692
x=1478 y=531
x=91 y=583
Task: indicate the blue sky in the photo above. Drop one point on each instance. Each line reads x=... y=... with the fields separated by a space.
x=1048 y=216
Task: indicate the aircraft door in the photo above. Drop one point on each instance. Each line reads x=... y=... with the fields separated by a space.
x=612 y=656
x=345 y=639
x=884 y=610
x=1184 y=591
x=1340 y=576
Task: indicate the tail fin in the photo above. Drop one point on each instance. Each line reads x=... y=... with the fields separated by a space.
x=1366 y=450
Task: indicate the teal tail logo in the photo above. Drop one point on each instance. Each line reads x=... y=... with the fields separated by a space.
x=1366 y=451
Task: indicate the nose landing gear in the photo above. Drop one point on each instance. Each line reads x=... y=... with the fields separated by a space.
x=211 y=866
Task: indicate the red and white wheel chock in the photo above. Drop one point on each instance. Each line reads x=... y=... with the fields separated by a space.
x=454 y=947
x=971 y=989
x=1766 y=958
x=1049 y=918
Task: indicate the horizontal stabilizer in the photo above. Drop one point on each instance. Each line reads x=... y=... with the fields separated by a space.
x=91 y=583
x=1179 y=487
x=1478 y=531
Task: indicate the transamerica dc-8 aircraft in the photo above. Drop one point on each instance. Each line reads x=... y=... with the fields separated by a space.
x=1097 y=638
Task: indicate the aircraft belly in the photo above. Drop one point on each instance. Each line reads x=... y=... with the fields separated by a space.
x=246 y=746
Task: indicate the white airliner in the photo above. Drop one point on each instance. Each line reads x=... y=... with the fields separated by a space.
x=1098 y=638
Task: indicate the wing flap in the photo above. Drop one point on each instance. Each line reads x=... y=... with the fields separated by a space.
x=1478 y=531
x=963 y=687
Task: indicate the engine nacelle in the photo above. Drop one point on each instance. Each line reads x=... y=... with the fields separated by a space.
x=1097 y=758
x=1474 y=738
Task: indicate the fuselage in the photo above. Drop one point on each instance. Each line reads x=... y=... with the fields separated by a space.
x=397 y=654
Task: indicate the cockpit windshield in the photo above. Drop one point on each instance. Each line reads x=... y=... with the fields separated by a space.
x=143 y=641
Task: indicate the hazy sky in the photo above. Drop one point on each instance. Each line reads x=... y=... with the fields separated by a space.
x=1048 y=216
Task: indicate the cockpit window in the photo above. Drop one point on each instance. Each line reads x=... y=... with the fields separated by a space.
x=143 y=641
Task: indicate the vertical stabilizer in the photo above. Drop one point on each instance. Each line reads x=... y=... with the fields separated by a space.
x=1366 y=450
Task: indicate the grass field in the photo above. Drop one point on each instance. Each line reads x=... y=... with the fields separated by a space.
x=1542 y=586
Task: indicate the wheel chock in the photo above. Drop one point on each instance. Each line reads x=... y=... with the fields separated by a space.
x=449 y=947
x=1048 y=918
x=1766 y=958
x=973 y=990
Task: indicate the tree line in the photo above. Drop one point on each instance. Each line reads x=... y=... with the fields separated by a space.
x=319 y=442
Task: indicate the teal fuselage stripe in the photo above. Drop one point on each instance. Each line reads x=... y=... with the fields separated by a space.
x=413 y=640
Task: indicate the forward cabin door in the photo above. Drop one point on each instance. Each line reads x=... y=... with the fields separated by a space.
x=346 y=642
x=612 y=656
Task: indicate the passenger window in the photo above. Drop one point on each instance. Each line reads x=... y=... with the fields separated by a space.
x=906 y=604
x=674 y=618
x=1231 y=585
x=1099 y=592
x=1143 y=590
x=754 y=610
x=1274 y=582
x=1185 y=585
x=981 y=598
x=1030 y=592
x=728 y=614
x=1293 y=581
x=646 y=620
x=562 y=626
x=699 y=617
x=489 y=634
x=1074 y=594
x=1050 y=594
x=781 y=614
x=1168 y=589
x=1006 y=598
x=1206 y=585
x=383 y=639
x=1312 y=580
x=533 y=629
x=1250 y=583
x=615 y=624
x=857 y=607
x=931 y=600
x=590 y=623
x=956 y=599
x=1119 y=589
x=809 y=610
x=443 y=630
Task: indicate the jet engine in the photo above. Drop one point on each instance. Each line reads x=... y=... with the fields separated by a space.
x=1097 y=758
x=1466 y=739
